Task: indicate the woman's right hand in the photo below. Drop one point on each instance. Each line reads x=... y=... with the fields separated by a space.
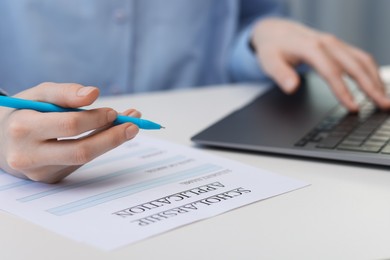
x=32 y=144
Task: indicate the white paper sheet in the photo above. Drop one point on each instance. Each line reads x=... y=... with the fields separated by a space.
x=142 y=188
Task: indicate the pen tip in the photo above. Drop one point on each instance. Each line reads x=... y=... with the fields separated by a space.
x=162 y=127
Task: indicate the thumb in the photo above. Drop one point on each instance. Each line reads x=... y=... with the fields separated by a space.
x=62 y=94
x=282 y=73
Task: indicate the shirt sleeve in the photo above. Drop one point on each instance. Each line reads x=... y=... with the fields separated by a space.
x=3 y=92
x=243 y=64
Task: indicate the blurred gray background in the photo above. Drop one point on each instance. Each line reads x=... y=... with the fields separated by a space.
x=364 y=23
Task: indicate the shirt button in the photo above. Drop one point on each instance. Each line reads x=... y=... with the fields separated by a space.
x=120 y=16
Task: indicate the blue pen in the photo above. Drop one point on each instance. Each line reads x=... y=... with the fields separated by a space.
x=19 y=103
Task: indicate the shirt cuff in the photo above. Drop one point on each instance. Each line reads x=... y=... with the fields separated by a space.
x=3 y=92
x=244 y=65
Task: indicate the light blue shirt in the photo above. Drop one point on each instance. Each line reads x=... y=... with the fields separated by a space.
x=125 y=46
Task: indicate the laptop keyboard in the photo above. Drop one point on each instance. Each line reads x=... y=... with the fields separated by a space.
x=367 y=131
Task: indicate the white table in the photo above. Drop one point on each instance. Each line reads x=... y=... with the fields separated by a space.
x=344 y=214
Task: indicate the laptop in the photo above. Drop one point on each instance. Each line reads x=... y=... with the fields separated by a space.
x=310 y=123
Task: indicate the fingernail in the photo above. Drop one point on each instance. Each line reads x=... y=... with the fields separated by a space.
x=85 y=91
x=131 y=132
x=289 y=84
x=111 y=115
x=133 y=113
x=354 y=107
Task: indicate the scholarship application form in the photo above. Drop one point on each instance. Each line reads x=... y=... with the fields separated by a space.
x=140 y=189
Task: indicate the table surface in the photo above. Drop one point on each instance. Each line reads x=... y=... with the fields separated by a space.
x=344 y=214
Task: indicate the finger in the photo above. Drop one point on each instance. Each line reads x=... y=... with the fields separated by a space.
x=331 y=71
x=277 y=67
x=132 y=112
x=370 y=66
x=357 y=72
x=379 y=95
x=62 y=94
x=129 y=112
x=50 y=174
x=69 y=124
x=81 y=151
x=370 y=84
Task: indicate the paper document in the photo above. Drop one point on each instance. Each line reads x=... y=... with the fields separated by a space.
x=140 y=189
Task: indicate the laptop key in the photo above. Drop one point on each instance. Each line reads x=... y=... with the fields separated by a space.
x=356 y=137
x=301 y=143
x=329 y=143
x=377 y=138
x=374 y=143
x=367 y=148
x=386 y=149
x=351 y=142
